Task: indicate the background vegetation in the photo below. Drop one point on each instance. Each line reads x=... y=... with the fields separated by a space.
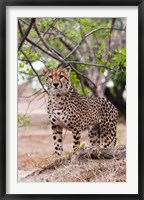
x=94 y=48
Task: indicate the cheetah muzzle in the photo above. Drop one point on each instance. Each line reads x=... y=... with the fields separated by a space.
x=67 y=109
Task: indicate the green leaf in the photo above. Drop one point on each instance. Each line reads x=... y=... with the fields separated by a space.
x=102 y=45
x=21 y=65
x=84 y=21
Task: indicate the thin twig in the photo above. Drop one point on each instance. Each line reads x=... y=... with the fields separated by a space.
x=51 y=26
x=83 y=76
x=30 y=75
x=92 y=64
x=51 y=49
x=25 y=97
x=30 y=103
x=34 y=71
x=53 y=23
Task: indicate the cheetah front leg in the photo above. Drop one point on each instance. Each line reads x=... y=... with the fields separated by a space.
x=57 y=136
x=76 y=139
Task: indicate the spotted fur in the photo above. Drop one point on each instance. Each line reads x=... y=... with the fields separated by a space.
x=67 y=109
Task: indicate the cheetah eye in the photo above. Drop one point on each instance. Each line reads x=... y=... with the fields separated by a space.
x=50 y=76
x=61 y=76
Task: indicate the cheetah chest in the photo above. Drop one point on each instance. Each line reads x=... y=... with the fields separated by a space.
x=57 y=113
x=59 y=117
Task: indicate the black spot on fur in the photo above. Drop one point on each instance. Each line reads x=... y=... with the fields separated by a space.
x=59 y=140
x=59 y=132
x=74 y=137
x=76 y=142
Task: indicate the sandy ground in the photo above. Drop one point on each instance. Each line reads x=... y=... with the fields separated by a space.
x=35 y=142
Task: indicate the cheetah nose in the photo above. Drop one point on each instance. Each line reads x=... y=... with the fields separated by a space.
x=55 y=84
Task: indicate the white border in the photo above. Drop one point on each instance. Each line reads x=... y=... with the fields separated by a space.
x=131 y=186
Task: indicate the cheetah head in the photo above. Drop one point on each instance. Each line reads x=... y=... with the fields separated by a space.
x=57 y=80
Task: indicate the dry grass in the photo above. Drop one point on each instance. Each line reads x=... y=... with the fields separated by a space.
x=73 y=168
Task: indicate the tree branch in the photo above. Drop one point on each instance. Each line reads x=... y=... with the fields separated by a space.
x=52 y=50
x=34 y=70
x=70 y=46
x=26 y=33
x=50 y=26
x=61 y=59
x=92 y=64
x=83 y=76
x=55 y=54
x=91 y=32
x=25 y=97
x=31 y=42
x=30 y=75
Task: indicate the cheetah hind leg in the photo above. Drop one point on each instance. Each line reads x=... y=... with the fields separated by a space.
x=94 y=136
x=108 y=137
x=57 y=136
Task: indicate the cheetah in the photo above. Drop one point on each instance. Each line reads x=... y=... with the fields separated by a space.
x=72 y=111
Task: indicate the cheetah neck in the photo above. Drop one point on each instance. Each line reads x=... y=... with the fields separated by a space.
x=60 y=95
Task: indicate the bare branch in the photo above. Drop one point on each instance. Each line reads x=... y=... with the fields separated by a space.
x=67 y=43
x=34 y=71
x=95 y=65
x=91 y=32
x=90 y=50
x=36 y=45
x=51 y=26
x=84 y=76
x=70 y=46
x=25 y=97
x=51 y=49
x=35 y=96
x=30 y=75
x=26 y=33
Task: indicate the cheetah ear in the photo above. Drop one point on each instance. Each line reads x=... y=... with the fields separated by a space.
x=67 y=69
x=45 y=70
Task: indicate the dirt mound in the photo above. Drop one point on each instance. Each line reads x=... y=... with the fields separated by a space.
x=76 y=168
